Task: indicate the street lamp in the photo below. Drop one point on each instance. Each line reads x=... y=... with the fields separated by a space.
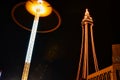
x=38 y=8
x=34 y=6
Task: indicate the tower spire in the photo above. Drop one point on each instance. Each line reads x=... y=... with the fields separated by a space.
x=87 y=48
x=87 y=12
x=87 y=16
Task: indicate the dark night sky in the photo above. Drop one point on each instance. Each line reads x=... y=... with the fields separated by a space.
x=56 y=54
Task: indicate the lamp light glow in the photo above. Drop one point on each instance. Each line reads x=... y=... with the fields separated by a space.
x=38 y=8
x=44 y=7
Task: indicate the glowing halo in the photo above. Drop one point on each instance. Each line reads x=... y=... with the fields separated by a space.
x=28 y=29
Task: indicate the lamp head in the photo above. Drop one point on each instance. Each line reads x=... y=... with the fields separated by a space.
x=42 y=8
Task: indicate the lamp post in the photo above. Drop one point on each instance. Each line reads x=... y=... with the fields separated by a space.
x=38 y=8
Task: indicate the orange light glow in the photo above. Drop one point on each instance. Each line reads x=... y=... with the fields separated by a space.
x=44 y=7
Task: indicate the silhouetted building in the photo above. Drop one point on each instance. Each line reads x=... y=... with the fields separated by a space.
x=112 y=72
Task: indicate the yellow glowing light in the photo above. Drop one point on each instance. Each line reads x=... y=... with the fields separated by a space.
x=44 y=7
x=40 y=1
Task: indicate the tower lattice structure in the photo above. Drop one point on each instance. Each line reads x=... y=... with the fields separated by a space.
x=87 y=48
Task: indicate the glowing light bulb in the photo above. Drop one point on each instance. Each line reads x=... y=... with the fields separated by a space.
x=40 y=1
x=44 y=7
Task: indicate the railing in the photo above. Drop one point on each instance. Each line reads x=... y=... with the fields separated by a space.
x=110 y=73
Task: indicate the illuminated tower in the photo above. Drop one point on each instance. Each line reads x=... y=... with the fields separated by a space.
x=87 y=48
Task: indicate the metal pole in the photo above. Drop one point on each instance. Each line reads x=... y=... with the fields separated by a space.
x=30 y=46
